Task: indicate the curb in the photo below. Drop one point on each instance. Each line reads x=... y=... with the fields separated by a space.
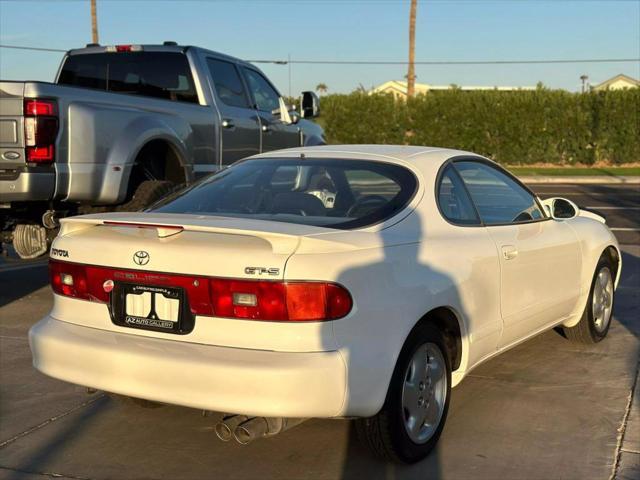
x=586 y=179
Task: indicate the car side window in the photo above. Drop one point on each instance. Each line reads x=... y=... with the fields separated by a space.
x=228 y=83
x=454 y=201
x=265 y=96
x=498 y=198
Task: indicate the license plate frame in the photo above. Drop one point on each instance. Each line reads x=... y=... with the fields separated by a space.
x=119 y=316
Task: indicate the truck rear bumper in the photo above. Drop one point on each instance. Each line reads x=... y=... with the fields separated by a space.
x=27 y=187
x=235 y=380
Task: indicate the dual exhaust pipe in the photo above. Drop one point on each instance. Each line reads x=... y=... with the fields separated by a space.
x=247 y=429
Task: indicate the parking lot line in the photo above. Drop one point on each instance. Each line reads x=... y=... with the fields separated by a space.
x=613 y=208
x=591 y=194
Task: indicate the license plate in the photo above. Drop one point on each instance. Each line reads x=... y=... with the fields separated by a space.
x=150 y=307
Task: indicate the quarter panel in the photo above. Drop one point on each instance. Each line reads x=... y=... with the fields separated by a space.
x=393 y=286
x=593 y=237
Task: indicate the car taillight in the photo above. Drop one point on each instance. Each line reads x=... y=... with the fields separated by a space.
x=282 y=301
x=40 y=129
x=221 y=297
x=69 y=279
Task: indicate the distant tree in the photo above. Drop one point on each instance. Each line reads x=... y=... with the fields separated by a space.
x=361 y=89
x=585 y=82
x=322 y=88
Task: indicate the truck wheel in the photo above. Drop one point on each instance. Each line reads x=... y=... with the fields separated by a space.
x=596 y=318
x=413 y=416
x=147 y=193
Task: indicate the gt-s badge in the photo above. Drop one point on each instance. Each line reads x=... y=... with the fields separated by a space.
x=261 y=271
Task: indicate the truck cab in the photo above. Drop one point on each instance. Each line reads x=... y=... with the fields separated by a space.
x=124 y=125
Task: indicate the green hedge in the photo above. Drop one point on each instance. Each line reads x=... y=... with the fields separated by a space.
x=516 y=128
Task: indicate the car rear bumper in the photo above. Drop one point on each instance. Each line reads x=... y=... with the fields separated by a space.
x=251 y=382
x=27 y=187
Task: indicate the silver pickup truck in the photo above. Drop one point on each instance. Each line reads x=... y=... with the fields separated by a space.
x=123 y=125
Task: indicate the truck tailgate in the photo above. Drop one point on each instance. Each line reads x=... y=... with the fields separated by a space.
x=11 y=125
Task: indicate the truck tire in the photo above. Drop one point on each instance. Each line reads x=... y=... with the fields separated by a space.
x=415 y=410
x=146 y=194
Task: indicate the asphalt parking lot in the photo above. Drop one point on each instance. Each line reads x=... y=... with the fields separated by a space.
x=548 y=409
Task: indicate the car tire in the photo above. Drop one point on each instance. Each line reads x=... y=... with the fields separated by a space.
x=389 y=434
x=596 y=318
x=146 y=194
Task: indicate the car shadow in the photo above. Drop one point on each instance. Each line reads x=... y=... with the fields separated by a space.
x=358 y=461
x=400 y=272
x=18 y=281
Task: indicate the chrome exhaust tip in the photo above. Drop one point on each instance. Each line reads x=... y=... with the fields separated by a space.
x=251 y=430
x=226 y=427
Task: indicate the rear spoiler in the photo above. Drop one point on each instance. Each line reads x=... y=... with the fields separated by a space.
x=168 y=225
x=283 y=237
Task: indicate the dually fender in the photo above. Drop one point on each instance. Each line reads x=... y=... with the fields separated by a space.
x=594 y=239
x=104 y=141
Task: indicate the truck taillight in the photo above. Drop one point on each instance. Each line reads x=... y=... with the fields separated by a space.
x=271 y=300
x=124 y=48
x=40 y=129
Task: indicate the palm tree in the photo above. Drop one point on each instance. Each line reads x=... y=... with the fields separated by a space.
x=322 y=88
x=94 y=22
x=411 y=74
x=584 y=79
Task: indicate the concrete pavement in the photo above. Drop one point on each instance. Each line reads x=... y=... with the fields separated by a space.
x=548 y=409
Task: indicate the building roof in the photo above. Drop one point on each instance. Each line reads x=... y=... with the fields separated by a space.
x=620 y=77
x=399 y=87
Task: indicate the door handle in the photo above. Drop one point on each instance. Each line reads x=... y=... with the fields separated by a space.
x=266 y=128
x=228 y=123
x=509 y=252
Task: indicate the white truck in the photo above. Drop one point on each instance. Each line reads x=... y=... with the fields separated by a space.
x=123 y=125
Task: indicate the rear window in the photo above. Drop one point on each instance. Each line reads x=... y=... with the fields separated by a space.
x=163 y=75
x=331 y=193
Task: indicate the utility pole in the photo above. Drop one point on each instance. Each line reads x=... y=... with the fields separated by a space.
x=94 y=22
x=411 y=74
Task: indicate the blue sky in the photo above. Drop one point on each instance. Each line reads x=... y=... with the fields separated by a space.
x=345 y=30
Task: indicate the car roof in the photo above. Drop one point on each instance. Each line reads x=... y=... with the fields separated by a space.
x=390 y=153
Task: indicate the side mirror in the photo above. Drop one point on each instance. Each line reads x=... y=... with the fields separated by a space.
x=561 y=208
x=287 y=117
x=309 y=105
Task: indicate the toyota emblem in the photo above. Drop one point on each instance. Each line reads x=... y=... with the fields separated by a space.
x=141 y=257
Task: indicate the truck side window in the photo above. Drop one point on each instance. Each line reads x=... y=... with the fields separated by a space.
x=266 y=97
x=228 y=83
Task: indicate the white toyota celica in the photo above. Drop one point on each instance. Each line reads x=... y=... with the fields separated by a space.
x=337 y=281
